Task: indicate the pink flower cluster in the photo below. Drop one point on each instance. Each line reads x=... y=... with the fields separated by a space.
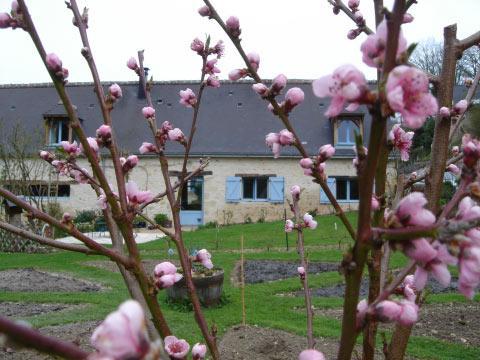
x=309 y=222
x=293 y=97
x=135 y=196
x=72 y=149
x=401 y=140
x=275 y=141
x=166 y=132
x=123 y=334
x=129 y=163
x=204 y=257
x=347 y=84
x=319 y=163
x=278 y=84
x=12 y=20
x=237 y=74
x=188 y=98
x=165 y=275
x=407 y=94
x=67 y=168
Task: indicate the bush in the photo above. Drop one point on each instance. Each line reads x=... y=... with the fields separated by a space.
x=162 y=220
x=85 y=216
x=209 y=225
x=139 y=223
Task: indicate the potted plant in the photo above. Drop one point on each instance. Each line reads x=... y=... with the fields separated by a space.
x=208 y=281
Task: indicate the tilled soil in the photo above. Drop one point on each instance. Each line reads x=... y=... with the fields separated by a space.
x=338 y=290
x=252 y=342
x=78 y=333
x=258 y=271
x=31 y=280
x=453 y=322
x=20 y=310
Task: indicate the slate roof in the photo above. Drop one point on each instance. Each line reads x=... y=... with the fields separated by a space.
x=233 y=120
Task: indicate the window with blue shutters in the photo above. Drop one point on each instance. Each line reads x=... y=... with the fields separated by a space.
x=255 y=188
x=345 y=189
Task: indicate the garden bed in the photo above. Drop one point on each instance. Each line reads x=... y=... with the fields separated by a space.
x=258 y=271
x=32 y=280
x=21 y=310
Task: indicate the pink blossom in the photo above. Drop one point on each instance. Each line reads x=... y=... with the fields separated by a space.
x=353 y=4
x=237 y=74
x=285 y=137
x=295 y=191
x=468 y=210
x=166 y=127
x=204 y=257
x=104 y=135
x=469 y=267
x=373 y=48
x=358 y=17
x=409 y=313
x=210 y=67
x=71 y=149
x=410 y=210
x=218 y=49
x=199 y=351
x=53 y=62
x=471 y=150
x=346 y=85
x=293 y=97
x=233 y=26
x=309 y=222
x=130 y=163
x=123 y=334
x=407 y=18
x=80 y=176
x=311 y=354
x=164 y=268
x=204 y=11
x=289 y=226
x=213 y=81
x=413 y=175
x=326 y=152
x=166 y=275
x=187 y=97
x=136 y=196
x=460 y=107
x=454 y=169
x=147 y=148
x=388 y=310
x=66 y=218
x=5 y=20
x=176 y=348
x=301 y=271
x=115 y=91
x=92 y=142
x=444 y=112
x=260 y=89
x=278 y=84
x=132 y=64
x=375 y=203
x=401 y=140
x=176 y=135
x=407 y=93
x=353 y=34
x=198 y=46
x=306 y=163
x=148 y=112
x=254 y=60
x=421 y=250
x=362 y=308
x=273 y=142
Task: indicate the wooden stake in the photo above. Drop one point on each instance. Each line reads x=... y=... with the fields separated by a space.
x=242 y=280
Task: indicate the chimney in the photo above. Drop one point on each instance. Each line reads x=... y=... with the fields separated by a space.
x=141 y=91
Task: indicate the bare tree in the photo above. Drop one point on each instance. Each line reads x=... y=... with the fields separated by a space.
x=428 y=57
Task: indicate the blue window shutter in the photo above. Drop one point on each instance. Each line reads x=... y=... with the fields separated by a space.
x=331 y=183
x=233 y=191
x=276 y=189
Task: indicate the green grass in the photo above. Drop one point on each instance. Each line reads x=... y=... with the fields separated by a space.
x=264 y=306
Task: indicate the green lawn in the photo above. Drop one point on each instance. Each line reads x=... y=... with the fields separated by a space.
x=263 y=307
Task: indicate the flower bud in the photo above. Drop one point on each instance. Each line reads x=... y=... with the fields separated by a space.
x=301 y=271
x=309 y=222
x=460 y=107
x=176 y=348
x=358 y=17
x=5 y=20
x=148 y=112
x=353 y=4
x=444 y=112
x=326 y=152
x=455 y=151
x=233 y=26
x=237 y=74
x=285 y=137
x=204 y=11
x=260 y=89
x=289 y=225
x=176 y=135
x=453 y=169
x=130 y=163
x=147 y=148
x=213 y=81
x=53 y=62
x=132 y=64
x=45 y=155
x=306 y=163
x=295 y=191
x=198 y=46
x=204 y=257
x=115 y=91
x=254 y=60
x=187 y=97
x=293 y=97
x=388 y=310
x=375 y=203
x=353 y=34
x=104 y=134
x=311 y=354
x=407 y=18
x=278 y=84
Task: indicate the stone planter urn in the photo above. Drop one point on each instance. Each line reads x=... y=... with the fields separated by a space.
x=209 y=287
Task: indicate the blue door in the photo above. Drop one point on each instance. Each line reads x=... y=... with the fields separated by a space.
x=191 y=211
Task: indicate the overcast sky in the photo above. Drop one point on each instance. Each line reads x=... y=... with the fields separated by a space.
x=302 y=39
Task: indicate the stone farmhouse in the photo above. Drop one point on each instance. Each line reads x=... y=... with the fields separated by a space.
x=243 y=181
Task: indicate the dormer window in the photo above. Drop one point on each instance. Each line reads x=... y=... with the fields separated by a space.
x=57 y=131
x=345 y=129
